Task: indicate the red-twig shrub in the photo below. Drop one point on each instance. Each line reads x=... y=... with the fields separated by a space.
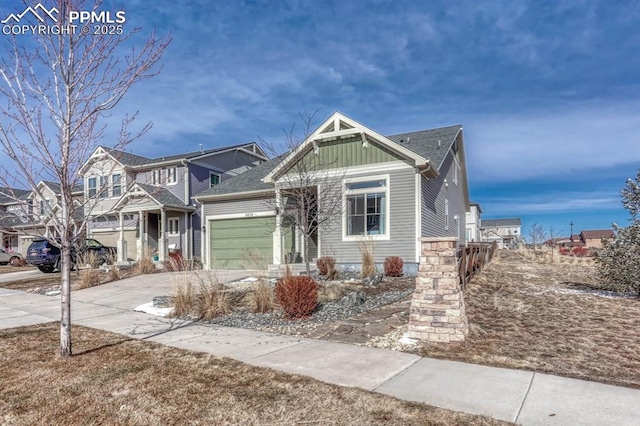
x=298 y=295
x=580 y=251
x=564 y=251
x=393 y=266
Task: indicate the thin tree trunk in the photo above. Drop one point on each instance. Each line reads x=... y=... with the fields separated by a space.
x=65 y=298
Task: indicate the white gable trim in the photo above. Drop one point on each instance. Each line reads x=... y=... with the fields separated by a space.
x=352 y=128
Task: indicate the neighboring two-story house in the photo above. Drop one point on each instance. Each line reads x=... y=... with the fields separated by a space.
x=27 y=214
x=505 y=232
x=473 y=219
x=390 y=190
x=146 y=206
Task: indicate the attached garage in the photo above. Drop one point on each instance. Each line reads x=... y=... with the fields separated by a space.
x=244 y=243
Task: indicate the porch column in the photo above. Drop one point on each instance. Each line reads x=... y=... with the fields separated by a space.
x=277 y=233
x=122 y=244
x=186 y=237
x=162 y=240
x=141 y=234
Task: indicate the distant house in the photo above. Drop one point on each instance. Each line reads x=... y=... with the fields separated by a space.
x=473 y=217
x=593 y=238
x=505 y=232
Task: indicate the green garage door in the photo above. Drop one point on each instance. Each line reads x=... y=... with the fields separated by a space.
x=245 y=243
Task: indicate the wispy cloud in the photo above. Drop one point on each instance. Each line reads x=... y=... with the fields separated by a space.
x=569 y=141
x=551 y=203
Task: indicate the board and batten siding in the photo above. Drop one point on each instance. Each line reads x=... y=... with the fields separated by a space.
x=402 y=215
x=434 y=194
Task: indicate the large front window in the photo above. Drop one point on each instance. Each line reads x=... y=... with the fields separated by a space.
x=366 y=208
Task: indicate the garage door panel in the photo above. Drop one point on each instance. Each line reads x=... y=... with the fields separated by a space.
x=237 y=243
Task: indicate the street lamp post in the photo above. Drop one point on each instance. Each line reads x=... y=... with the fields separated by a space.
x=571 y=238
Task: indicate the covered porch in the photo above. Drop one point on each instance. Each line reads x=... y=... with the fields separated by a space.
x=163 y=224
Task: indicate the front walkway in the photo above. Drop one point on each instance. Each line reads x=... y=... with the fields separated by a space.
x=521 y=396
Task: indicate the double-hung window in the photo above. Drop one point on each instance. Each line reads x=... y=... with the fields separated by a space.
x=174 y=226
x=156 y=177
x=116 y=185
x=91 y=186
x=366 y=208
x=171 y=176
x=104 y=190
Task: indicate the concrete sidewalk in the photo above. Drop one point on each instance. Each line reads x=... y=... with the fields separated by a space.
x=514 y=395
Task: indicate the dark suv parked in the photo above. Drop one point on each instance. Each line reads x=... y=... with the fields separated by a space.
x=46 y=256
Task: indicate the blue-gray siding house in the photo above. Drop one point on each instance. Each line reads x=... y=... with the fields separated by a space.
x=146 y=206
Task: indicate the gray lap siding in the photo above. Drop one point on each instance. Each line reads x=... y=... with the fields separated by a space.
x=434 y=193
x=402 y=215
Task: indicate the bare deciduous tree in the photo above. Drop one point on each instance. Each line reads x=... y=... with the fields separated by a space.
x=56 y=92
x=553 y=236
x=311 y=188
x=537 y=234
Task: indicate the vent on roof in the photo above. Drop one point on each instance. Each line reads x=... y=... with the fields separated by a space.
x=439 y=144
x=408 y=139
x=201 y=148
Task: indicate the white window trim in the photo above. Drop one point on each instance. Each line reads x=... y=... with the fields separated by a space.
x=95 y=186
x=172 y=178
x=120 y=184
x=170 y=226
x=156 y=177
x=387 y=206
x=219 y=178
x=446 y=214
x=455 y=171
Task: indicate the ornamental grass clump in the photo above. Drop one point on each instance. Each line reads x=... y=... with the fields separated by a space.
x=327 y=267
x=298 y=296
x=393 y=266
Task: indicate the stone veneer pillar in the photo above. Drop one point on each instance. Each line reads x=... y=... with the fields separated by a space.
x=437 y=308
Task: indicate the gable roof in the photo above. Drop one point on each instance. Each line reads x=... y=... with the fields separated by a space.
x=134 y=160
x=495 y=223
x=128 y=159
x=249 y=181
x=598 y=234
x=55 y=186
x=337 y=126
x=9 y=195
x=432 y=144
x=162 y=195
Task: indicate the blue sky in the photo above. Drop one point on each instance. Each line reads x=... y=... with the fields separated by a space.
x=547 y=92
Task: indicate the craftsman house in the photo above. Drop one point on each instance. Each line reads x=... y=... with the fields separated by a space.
x=388 y=191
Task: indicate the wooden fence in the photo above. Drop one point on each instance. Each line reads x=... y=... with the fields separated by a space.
x=471 y=260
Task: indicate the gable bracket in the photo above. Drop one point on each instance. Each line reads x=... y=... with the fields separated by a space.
x=365 y=142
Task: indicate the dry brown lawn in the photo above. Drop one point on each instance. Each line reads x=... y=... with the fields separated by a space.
x=53 y=280
x=115 y=380
x=525 y=313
